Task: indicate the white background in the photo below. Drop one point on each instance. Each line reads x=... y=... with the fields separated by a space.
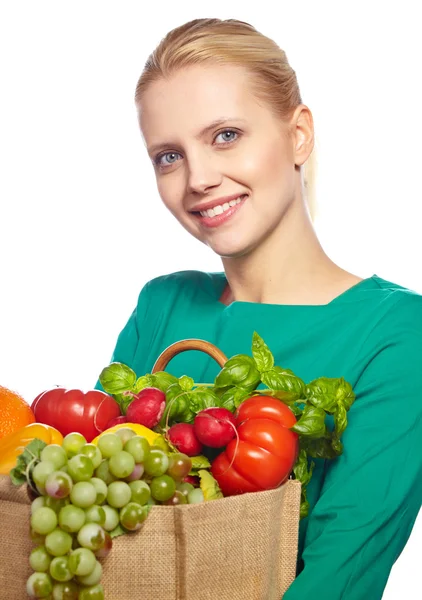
x=81 y=224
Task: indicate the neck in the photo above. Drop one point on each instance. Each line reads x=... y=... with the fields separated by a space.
x=289 y=267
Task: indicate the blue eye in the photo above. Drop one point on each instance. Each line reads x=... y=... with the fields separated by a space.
x=170 y=162
x=230 y=132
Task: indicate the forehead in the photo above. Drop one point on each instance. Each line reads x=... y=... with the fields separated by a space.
x=195 y=97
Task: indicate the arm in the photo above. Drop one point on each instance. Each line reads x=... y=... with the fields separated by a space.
x=372 y=493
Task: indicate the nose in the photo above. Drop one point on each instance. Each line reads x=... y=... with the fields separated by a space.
x=203 y=173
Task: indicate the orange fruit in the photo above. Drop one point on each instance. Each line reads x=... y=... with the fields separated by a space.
x=14 y=412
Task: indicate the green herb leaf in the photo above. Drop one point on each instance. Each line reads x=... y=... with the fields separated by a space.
x=285 y=380
x=142 y=382
x=319 y=447
x=264 y=360
x=203 y=397
x=340 y=419
x=311 y=423
x=117 y=378
x=31 y=455
x=177 y=406
x=163 y=380
x=209 y=486
x=240 y=370
x=326 y=393
x=117 y=531
x=199 y=462
x=186 y=383
x=302 y=470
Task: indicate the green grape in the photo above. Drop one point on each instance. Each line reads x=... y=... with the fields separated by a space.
x=179 y=466
x=91 y=536
x=39 y=585
x=101 y=488
x=65 y=591
x=138 y=447
x=83 y=494
x=93 y=453
x=37 y=503
x=94 y=577
x=80 y=467
x=121 y=464
x=195 y=496
x=71 y=518
x=40 y=473
x=111 y=518
x=56 y=503
x=95 y=592
x=138 y=471
x=162 y=488
x=44 y=520
x=140 y=492
x=118 y=494
x=177 y=498
x=58 y=484
x=103 y=472
x=185 y=488
x=73 y=443
x=95 y=514
x=151 y=501
x=58 y=542
x=36 y=538
x=105 y=550
x=39 y=559
x=59 y=569
x=156 y=463
x=55 y=454
x=125 y=434
x=82 y=561
x=132 y=516
x=109 y=444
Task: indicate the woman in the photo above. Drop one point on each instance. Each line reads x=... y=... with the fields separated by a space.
x=228 y=135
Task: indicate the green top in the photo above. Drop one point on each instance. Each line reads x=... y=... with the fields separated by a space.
x=364 y=503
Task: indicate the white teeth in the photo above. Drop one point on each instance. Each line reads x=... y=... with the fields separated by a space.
x=219 y=210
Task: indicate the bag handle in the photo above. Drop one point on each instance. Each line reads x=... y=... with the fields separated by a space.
x=189 y=344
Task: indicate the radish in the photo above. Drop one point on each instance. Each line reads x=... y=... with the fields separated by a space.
x=192 y=479
x=147 y=407
x=215 y=427
x=182 y=436
x=116 y=421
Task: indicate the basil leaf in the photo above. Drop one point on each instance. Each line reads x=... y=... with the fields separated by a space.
x=287 y=397
x=203 y=397
x=304 y=504
x=284 y=379
x=340 y=420
x=30 y=455
x=264 y=360
x=186 y=383
x=319 y=447
x=301 y=470
x=239 y=370
x=311 y=423
x=117 y=378
x=163 y=380
x=199 y=462
x=142 y=382
x=326 y=393
x=177 y=406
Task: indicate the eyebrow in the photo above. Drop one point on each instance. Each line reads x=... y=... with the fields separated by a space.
x=216 y=123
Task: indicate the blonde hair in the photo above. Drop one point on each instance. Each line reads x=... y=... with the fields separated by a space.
x=236 y=43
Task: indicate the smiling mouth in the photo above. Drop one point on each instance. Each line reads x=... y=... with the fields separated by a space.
x=219 y=214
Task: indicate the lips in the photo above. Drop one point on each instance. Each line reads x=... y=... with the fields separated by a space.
x=218 y=219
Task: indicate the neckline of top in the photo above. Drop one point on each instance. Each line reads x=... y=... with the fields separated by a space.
x=222 y=282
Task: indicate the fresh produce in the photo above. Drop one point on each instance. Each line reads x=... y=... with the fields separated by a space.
x=151 y=436
x=147 y=407
x=15 y=412
x=183 y=437
x=80 y=505
x=73 y=410
x=12 y=445
x=263 y=455
x=215 y=427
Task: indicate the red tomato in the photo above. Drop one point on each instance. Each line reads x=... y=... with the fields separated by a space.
x=73 y=410
x=265 y=452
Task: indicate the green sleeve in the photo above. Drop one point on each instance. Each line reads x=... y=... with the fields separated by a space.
x=372 y=493
x=128 y=339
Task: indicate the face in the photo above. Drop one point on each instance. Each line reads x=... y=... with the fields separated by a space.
x=225 y=165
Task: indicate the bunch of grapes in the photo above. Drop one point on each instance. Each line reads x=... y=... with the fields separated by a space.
x=88 y=492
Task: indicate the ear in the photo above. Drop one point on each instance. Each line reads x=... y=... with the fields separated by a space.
x=302 y=124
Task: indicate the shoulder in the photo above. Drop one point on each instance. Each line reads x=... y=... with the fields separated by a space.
x=398 y=304
x=183 y=283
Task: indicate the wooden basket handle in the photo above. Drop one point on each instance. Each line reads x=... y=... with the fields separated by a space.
x=191 y=344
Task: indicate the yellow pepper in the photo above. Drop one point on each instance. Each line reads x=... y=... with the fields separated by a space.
x=14 y=444
x=150 y=435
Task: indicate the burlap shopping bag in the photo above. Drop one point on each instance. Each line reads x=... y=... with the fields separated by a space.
x=238 y=548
